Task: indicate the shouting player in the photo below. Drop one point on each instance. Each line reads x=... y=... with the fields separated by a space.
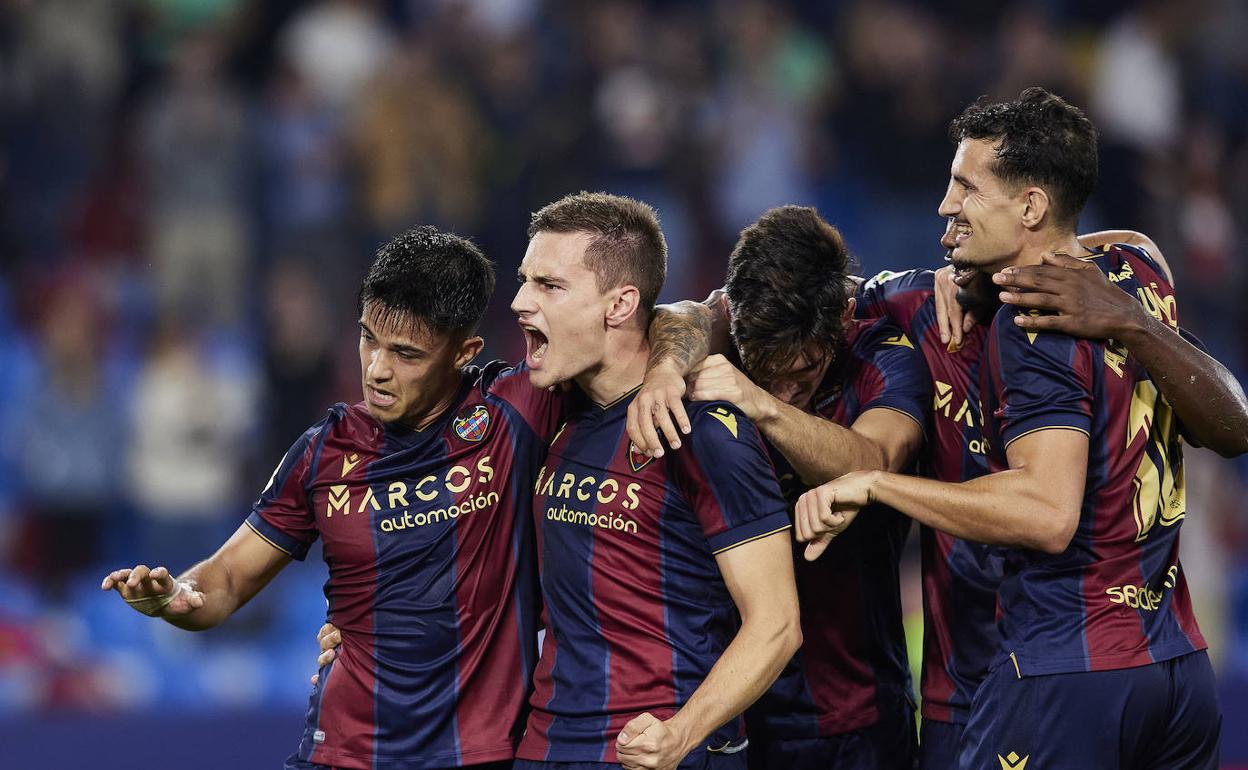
x=645 y=562
x=831 y=395
x=421 y=495
x=1086 y=492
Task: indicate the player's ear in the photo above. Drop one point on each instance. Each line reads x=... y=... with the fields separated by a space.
x=624 y=305
x=1035 y=207
x=850 y=306
x=469 y=349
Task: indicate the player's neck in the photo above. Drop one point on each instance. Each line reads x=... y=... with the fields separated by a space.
x=622 y=368
x=1064 y=242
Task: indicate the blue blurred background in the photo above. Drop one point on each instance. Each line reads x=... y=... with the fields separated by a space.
x=190 y=191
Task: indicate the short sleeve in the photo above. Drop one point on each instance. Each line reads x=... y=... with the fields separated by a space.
x=896 y=375
x=897 y=296
x=729 y=480
x=1043 y=379
x=540 y=408
x=283 y=515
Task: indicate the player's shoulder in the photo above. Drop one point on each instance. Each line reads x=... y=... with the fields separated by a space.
x=719 y=421
x=1127 y=264
x=348 y=423
x=869 y=336
x=894 y=281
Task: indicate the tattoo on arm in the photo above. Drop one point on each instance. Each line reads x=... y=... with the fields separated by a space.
x=680 y=335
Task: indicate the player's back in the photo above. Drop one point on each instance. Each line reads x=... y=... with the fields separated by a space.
x=635 y=606
x=428 y=538
x=1116 y=597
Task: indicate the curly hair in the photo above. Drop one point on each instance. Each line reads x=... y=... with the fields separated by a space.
x=1044 y=141
x=428 y=280
x=787 y=287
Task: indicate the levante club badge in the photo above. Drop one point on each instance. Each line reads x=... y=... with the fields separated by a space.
x=636 y=458
x=473 y=425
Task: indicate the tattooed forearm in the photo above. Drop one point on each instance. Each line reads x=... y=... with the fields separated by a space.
x=680 y=335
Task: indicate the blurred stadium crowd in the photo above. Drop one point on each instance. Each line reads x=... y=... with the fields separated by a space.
x=190 y=191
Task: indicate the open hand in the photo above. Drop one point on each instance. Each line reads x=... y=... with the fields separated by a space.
x=153 y=592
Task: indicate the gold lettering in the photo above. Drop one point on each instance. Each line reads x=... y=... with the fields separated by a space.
x=369 y=499
x=458 y=469
x=566 y=487
x=631 y=493
x=398 y=495
x=615 y=488
x=580 y=493
x=426 y=496
x=486 y=470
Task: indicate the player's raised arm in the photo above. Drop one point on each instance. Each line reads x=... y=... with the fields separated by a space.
x=759 y=577
x=680 y=335
x=208 y=593
x=1207 y=398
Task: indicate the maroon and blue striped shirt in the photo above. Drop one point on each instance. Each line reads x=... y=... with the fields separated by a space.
x=960 y=578
x=428 y=537
x=635 y=607
x=1116 y=597
x=853 y=654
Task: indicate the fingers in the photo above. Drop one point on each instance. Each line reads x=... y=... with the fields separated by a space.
x=330 y=640
x=114 y=579
x=942 y=307
x=325 y=658
x=957 y=322
x=315 y=678
x=1045 y=323
x=663 y=418
x=968 y=322
x=650 y=443
x=1033 y=300
x=816 y=547
x=635 y=728
x=137 y=576
x=1065 y=261
x=325 y=630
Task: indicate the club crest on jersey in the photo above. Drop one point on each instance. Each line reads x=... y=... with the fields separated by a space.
x=474 y=425
x=636 y=458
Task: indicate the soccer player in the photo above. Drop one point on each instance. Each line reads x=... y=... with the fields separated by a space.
x=645 y=562
x=1086 y=492
x=831 y=395
x=421 y=494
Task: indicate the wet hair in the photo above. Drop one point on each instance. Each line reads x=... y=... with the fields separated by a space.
x=1044 y=141
x=426 y=280
x=788 y=288
x=626 y=246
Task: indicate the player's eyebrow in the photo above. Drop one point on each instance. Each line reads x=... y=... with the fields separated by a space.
x=962 y=180
x=397 y=347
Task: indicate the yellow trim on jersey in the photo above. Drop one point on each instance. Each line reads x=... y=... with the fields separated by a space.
x=898 y=411
x=1047 y=427
x=265 y=539
x=752 y=539
x=1014 y=660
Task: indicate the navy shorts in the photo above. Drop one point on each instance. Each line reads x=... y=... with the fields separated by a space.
x=1163 y=716
x=938 y=745
x=889 y=744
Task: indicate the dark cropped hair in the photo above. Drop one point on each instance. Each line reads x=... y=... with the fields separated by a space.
x=1044 y=141
x=788 y=288
x=627 y=244
x=428 y=280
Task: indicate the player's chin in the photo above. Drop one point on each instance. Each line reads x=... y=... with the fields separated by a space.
x=544 y=377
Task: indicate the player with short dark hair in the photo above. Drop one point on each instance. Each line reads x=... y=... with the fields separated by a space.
x=830 y=394
x=1086 y=492
x=420 y=494
x=645 y=562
